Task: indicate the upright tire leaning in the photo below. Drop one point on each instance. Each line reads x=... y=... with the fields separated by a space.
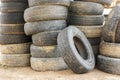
x=69 y=41
x=109 y=65
x=43 y=12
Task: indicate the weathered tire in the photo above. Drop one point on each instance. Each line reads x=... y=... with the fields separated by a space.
x=48 y=64
x=96 y=49
x=43 y=13
x=44 y=51
x=22 y=48
x=11 y=18
x=88 y=8
x=13 y=39
x=12 y=7
x=106 y=2
x=109 y=65
x=12 y=29
x=110 y=49
x=94 y=41
x=79 y=58
x=111 y=25
x=117 y=36
x=45 y=38
x=49 y=2
x=85 y=20
x=42 y=26
x=91 y=31
x=13 y=0
x=15 y=60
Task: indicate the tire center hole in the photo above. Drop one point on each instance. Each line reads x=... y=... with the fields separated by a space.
x=80 y=47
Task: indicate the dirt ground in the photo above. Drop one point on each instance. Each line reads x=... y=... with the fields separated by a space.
x=26 y=73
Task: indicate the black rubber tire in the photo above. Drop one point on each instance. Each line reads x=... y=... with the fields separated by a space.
x=85 y=20
x=43 y=13
x=86 y=8
x=44 y=51
x=49 y=2
x=105 y=2
x=14 y=1
x=12 y=29
x=79 y=58
x=111 y=25
x=22 y=48
x=42 y=26
x=13 y=39
x=48 y=64
x=12 y=7
x=45 y=38
x=108 y=64
x=11 y=18
x=94 y=41
x=91 y=31
x=110 y=49
x=15 y=60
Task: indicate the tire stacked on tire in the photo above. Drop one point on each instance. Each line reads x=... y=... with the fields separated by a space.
x=14 y=44
x=109 y=58
x=44 y=20
x=87 y=16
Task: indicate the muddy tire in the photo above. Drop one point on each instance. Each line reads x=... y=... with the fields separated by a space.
x=86 y=8
x=110 y=49
x=91 y=31
x=22 y=48
x=49 y=2
x=13 y=39
x=15 y=60
x=109 y=65
x=70 y=42
x=43 y=13
x=85 y=20
x=42 y=26
x=45 y=38
x=48 y=64
x=12 y=7
x=11 y=18
x=12 y=29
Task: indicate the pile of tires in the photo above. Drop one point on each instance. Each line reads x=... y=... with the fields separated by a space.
x=44 y=20
x=87 y=16
x=14 y=44
x=109 y=58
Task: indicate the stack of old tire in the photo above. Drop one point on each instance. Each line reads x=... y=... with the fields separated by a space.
x=45 y=19
x=109 y=58
x=87 y=16
x=14 y=46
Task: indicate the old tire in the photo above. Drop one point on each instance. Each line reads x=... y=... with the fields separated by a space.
x=15 y=60
x=94 y=41
x=42 y=26
x=111 y=25
x=43 y=13
x=48 y=64
x=110 y=49
x=13 y=39
x=109 y=65
x=11 y=18
x=12 y=29
x=22 y=48
x=14 y=1
x=85 y=20
x=49 y=2
x=73 y=53
x=105 y=2
x=44 y=51
x=86 y=8
x=91 y=31
x=12 y=7
x=45 y=38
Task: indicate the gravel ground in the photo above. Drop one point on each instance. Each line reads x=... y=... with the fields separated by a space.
x=26 y=73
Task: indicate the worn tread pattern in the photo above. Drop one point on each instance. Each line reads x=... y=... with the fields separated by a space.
x=48 y=64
